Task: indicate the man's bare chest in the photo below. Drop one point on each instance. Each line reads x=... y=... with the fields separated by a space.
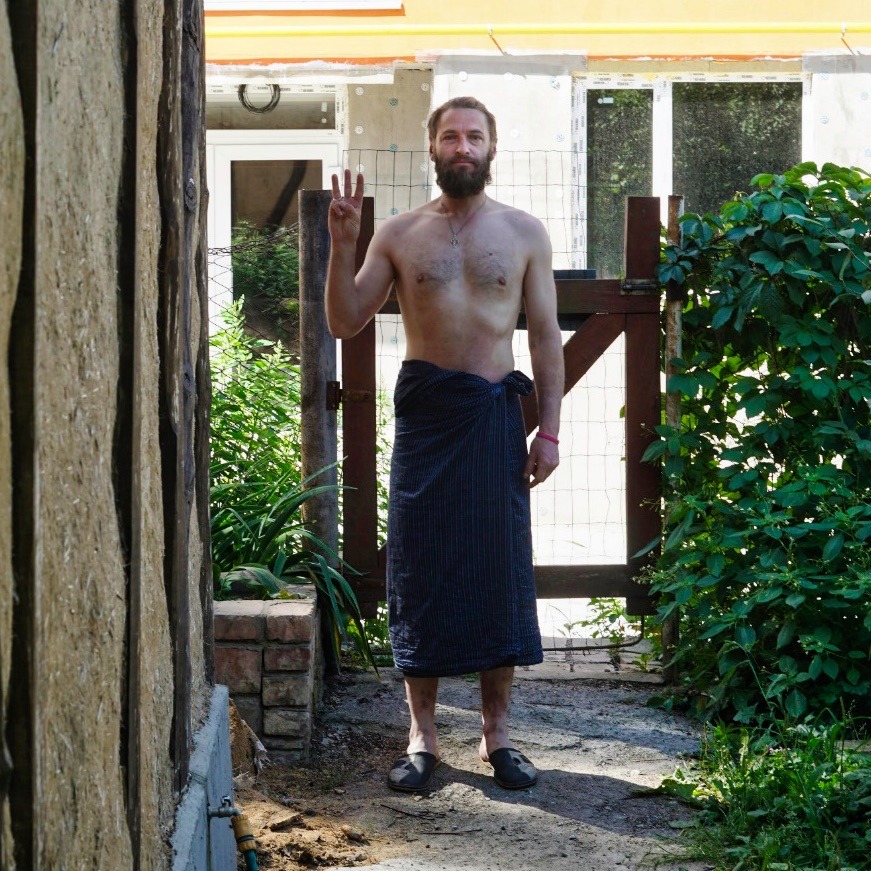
x=478 y=265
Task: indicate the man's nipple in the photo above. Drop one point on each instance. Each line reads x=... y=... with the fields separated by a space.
x=501 y=280
x=421 y=277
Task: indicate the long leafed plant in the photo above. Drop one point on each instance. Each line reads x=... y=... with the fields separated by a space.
x=261 y=548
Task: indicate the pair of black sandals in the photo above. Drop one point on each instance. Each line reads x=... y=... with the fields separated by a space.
x=414 y=771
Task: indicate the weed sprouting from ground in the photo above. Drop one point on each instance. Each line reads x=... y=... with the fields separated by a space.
x=794 y=796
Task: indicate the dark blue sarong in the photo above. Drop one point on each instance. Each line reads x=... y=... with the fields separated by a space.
x=460 y=586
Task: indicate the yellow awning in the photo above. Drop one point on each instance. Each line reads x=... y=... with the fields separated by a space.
x=424 y=29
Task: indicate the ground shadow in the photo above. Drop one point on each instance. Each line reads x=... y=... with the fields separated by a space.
x=597 y=800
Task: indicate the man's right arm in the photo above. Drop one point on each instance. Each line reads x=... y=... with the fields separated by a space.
x=352 y=301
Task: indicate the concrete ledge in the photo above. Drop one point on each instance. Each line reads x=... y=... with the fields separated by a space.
x=198 y=842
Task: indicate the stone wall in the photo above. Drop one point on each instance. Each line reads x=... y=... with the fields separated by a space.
x=267 y=654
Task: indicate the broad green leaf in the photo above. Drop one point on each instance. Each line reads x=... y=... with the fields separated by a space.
x=653 y=451
x=830 y=667
x=833 y=547
x=795 y=703
x=786 y=634
x=648 y=547
x=768 y=260
x=685 y=383
x=721 y=316
x=715 y=629
x=683 y=595
x=745 y=636
x=823 y=634
x=769 y=595
x=715 y=563
x=772 y=212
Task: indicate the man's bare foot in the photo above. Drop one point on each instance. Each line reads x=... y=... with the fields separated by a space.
x=485 y=748
x=423 y=740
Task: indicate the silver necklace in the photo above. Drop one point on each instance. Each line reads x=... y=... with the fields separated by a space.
x=455 y=241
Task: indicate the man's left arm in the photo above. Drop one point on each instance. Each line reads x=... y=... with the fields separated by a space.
x=546 y=350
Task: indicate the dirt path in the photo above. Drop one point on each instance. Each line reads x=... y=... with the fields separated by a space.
x=589 y=731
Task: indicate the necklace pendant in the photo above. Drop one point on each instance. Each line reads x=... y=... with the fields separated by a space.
x=454 y=242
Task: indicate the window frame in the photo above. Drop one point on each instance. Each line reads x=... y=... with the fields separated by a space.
x=223 y=147
x=663 y=125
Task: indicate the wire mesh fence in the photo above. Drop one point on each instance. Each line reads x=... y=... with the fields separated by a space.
x=547 y=184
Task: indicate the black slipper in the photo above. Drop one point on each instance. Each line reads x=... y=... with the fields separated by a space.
x=413 y=772
x=511 y=769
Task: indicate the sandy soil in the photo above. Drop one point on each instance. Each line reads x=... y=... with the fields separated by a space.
x=587 y=728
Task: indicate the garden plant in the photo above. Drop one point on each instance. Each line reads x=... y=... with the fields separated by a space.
x=767 y=545
x=260 y=546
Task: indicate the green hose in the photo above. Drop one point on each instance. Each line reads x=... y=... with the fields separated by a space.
x=245 y=841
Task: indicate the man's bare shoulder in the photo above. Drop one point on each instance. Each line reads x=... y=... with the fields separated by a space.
x=398 y=225
x=520 y=221
x=516 y=216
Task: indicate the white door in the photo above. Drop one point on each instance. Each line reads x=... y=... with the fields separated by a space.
x=232 y=158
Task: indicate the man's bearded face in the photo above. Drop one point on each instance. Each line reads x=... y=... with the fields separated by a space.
x=462 y=181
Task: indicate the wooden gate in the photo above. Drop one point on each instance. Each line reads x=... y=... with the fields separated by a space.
x=602 y=310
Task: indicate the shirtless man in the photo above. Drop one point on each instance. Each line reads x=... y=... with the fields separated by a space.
x=463 y=265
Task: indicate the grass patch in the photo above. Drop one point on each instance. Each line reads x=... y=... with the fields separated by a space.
x=789 y=798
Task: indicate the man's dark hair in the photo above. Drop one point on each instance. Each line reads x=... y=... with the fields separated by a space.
x=461 y=103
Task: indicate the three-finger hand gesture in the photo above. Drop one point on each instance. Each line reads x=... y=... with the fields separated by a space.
x=345 y=210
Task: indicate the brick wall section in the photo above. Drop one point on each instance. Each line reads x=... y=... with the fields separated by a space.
x=268 y=655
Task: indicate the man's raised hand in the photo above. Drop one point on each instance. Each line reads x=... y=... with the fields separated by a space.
x=345 y=210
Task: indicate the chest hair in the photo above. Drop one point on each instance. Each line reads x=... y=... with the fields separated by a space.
x=482 y=269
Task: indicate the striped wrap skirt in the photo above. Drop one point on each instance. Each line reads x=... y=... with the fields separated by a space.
x=460 y=585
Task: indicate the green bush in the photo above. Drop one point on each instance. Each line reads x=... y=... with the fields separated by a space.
x=255 y=407
x=768 y=479
x=260 y=546
x=788 y=798
x=266 y=263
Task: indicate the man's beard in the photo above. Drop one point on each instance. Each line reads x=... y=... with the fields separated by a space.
x=462 y=183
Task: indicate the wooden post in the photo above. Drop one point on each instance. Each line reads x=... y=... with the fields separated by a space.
x=643 y=411
x=317 y=351
x=675 y=297
x=359 y=434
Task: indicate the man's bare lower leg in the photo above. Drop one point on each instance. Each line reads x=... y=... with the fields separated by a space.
x=495 y=701
x=421 y=693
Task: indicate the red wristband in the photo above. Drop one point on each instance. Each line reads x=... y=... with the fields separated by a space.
x=547 y=437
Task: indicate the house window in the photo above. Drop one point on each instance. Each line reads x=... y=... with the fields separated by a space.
x=699 y=138
x=619 y=164
x=726 y=133
x=264 y=193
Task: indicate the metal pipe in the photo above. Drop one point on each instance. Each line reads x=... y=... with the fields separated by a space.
x=488 y=31
x=242 y=830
